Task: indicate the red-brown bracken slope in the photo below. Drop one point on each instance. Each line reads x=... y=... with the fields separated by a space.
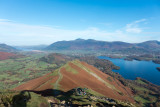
x=80 y=74
x=6 y=55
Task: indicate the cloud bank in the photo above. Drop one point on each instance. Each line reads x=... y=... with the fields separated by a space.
x=14 y=33
x=134 y=27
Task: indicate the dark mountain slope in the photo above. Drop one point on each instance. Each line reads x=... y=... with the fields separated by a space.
x=99 y=46
x=90 y=44
x=152 y=45
x=6 y=48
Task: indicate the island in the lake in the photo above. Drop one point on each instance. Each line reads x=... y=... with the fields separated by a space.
x=158 y=68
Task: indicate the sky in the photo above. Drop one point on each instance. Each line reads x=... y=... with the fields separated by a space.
x=34 y=22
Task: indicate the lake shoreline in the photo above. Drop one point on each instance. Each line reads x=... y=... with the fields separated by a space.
x=134 y=68
x=137 y=58
x=158 y=68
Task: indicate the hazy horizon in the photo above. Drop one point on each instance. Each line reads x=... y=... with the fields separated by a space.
x=75 y=39
x=45 y=22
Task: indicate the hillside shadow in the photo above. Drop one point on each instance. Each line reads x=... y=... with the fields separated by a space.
x=68 y=98
x=21 y=99
x=49 y=92
x=64 y=96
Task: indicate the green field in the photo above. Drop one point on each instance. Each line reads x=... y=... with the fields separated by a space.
x=17 y=71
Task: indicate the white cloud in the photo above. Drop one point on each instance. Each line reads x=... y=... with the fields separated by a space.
x=133 y=30
x=4 y=20
x=141 y=20
x=13 y=33
x=134 y=26
x=19 y=34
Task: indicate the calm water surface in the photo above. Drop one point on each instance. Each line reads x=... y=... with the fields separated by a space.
x=132 y=69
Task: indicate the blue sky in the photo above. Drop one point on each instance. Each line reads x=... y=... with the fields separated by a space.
x=33 y=22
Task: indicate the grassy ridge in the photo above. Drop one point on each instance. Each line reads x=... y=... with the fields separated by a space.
x=94 y=74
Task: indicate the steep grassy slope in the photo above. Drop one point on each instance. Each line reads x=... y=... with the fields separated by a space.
x=6 y=55
x=56 y=58
x=80 y=74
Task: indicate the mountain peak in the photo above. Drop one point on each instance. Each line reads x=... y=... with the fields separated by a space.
x=79 y=74
x=79 y=39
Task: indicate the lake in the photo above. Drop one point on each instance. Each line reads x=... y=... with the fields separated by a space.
x=132 y=69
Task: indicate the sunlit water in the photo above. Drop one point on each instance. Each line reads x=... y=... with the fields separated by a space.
x=132 y=69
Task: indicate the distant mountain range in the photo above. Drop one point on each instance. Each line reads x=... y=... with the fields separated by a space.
x=7 y=48
x=90 y=44
x=28 y=48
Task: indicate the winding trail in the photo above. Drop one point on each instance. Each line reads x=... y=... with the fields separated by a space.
x=60 y=77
